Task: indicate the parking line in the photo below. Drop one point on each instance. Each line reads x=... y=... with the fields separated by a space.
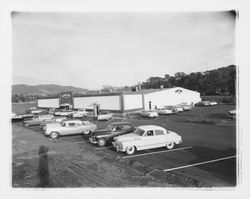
x=200 y=163
x=165 y=151
x=107 y=147
x=81 y=142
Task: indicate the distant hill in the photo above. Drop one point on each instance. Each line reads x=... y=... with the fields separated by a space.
x=45 y=89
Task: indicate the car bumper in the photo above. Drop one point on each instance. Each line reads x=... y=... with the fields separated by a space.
x=93 y=140
x=178 y=142
x=117 y=147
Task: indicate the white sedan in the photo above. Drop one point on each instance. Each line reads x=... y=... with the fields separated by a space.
x=150 y=114
x=69 y=127
x=80 y=113
x=146 y=137
x=104 y=115
x=165 y=111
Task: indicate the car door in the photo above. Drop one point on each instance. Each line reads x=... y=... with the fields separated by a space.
x=160 y=138
x=116 y=131
x=146 y=141
x=69 y=128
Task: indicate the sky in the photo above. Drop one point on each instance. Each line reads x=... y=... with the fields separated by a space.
x=90 y=50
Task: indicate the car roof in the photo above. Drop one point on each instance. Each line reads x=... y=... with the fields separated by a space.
x=150 y=127
x=67 y=121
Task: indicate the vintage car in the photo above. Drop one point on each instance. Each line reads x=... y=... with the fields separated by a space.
x=43 y=124
x=165 y=111
x=67 y=113
x=213 y=103
x=104 y=115
x=149 y=113
x=37 y=120
x=37 y=111
x=15 y=118
x=187 y=107
x=80 y=113
x=202 y=103
x=232 y=114
x=146 y=137
x=179 y=108
x=69 y=127
x=105 y=136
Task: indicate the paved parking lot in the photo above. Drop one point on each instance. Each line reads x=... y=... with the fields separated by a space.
x=208 y=152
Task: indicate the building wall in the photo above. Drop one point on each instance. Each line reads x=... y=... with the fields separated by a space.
x=173 y=96
x=48 y=103
x=112 y=102
x=133 y=101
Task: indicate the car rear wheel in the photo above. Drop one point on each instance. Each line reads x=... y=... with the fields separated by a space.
x=86 y=132
x=130 y=150
x=101 y=142
x=54 y=135
x=170 y=145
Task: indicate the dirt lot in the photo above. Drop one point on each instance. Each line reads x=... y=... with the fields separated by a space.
x=72 y=161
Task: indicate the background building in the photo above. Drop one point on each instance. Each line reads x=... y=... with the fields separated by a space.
x=128 y=101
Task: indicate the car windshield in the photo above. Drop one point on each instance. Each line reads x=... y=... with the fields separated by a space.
x=139 y=131
x=110 y=127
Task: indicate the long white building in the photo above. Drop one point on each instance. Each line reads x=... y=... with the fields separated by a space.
x=129 y=101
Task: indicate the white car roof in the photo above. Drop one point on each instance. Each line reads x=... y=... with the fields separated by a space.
x=151 y=127
x=70 y=121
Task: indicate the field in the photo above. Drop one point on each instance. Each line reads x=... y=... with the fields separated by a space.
x=206 y=158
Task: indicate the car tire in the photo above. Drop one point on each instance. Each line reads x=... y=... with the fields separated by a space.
x=86 y=132
x=170 y=145
x=54 y=135
x=101 y=142
x=130 y=150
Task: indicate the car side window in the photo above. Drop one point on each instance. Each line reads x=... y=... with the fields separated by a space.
x=159 y=132
x=150 y=133
x=119 y=128
x=125 y=127
x=71 y=124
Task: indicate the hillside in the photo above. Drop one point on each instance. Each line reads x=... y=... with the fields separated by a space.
x=45 y=89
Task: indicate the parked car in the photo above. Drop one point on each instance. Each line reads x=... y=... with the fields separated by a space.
x=179 y=108
x=80 y=113
x=105 y=136
x=232 y=114
x=38 y=111
x=67 y=113
x=44 y=123
x=37 y=120
x=213 y=103
x=16 y=118
x=146 y=137
x=104 y=115
x=202 y=103
x=69 y=127
x=165 y=111
x=149 y=113
x=186 y=107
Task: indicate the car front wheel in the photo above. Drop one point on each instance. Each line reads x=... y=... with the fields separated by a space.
x=54 y=135
x=170 y=145
x=130 y=150
x=101 y=142
x=86 y=132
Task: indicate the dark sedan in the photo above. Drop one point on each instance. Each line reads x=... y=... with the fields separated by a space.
x=105 y=136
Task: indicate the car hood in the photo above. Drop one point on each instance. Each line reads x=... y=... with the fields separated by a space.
x=127 y=137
